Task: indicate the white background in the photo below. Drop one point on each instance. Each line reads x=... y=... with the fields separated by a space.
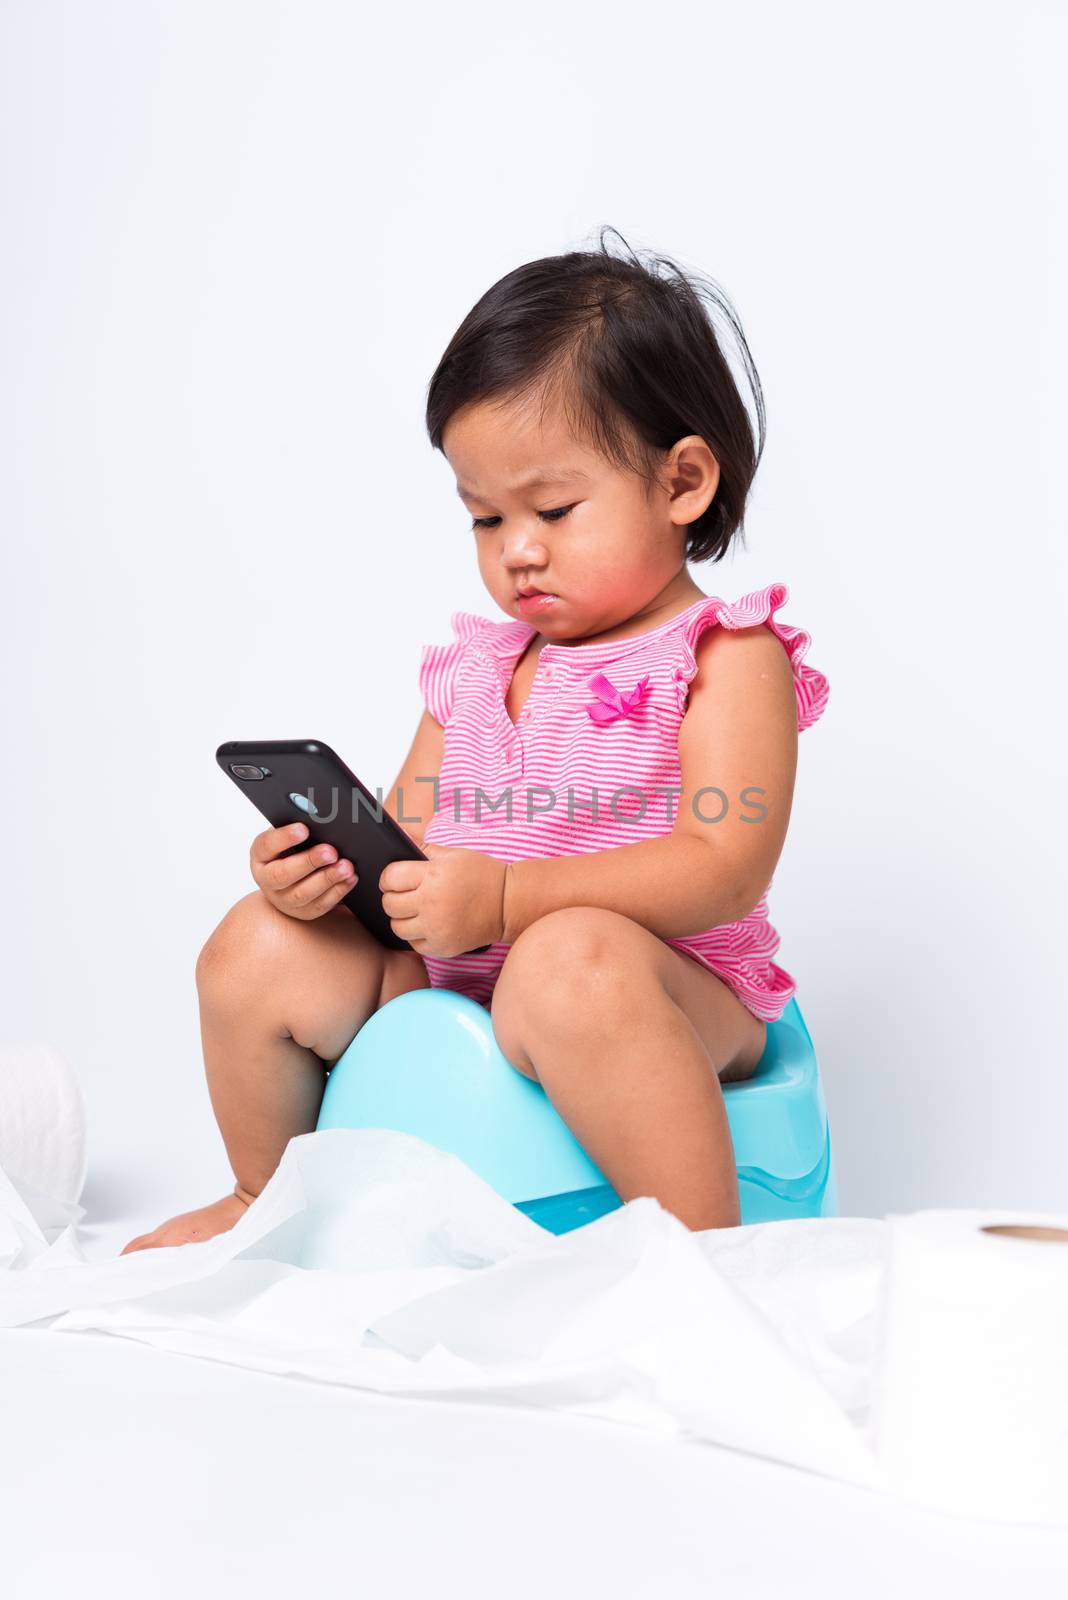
x=236 y=240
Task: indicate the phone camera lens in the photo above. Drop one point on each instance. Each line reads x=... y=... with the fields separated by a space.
x=249 y=774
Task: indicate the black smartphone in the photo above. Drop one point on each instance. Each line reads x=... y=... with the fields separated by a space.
x=303 y=780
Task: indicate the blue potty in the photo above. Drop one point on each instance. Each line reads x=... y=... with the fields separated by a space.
x=427 y=1063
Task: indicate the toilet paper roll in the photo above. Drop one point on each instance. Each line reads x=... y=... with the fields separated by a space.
x=42 y=1120
x=970 y=1384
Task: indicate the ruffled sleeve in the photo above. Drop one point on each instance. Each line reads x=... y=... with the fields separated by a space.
x=439 y=666
x=811 y=686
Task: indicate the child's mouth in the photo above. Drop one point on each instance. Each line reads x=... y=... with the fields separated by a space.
x=535 y=601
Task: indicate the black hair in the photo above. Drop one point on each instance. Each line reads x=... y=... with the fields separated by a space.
x=632 y=350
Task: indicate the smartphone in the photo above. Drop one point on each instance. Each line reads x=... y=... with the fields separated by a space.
x=303 y=780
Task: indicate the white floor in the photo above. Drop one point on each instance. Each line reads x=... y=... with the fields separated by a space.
x=128 y=1471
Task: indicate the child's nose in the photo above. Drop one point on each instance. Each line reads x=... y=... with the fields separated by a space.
x=525 y=547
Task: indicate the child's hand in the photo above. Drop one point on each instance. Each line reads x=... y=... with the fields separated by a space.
x=449 y=904
x=305 y=885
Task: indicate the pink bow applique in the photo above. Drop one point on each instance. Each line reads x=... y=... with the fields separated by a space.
x=611 y=704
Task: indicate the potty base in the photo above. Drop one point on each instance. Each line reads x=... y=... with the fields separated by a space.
x=762 y=1198
x=559 y=1213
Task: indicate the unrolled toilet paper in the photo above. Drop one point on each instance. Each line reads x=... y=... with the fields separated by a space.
x=970 y=1387
x=42 y=1120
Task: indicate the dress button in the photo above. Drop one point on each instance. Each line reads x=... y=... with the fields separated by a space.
x=548 y=674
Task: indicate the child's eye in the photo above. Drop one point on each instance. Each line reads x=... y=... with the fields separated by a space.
x=556 y=515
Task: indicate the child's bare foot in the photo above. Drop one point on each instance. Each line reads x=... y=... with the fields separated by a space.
x=193 y=1227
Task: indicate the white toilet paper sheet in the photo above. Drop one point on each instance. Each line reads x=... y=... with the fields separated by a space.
x=42 y=1120
x=373 y=1259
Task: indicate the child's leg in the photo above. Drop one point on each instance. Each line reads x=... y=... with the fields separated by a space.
x=280 y=1000
x=630 y=1040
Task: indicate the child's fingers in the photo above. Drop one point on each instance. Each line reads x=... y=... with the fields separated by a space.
x=270 y=869
x=400 y=905
x=323 y=903
x=409 y=928
x=282 y=873
x=269 y=844
x=318 y=892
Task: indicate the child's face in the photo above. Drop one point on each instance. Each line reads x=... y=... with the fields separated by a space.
x=602 y=543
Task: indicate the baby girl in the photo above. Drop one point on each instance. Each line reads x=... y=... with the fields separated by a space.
x=601 y=782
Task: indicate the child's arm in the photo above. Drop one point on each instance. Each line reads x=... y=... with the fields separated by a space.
x=739 y=733
x=407 y=798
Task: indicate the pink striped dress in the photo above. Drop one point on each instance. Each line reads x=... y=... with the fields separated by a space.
x=596 y=744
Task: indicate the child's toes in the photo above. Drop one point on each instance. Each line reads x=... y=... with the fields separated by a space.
x=169 y=1233
x=192 y=1227
x=144 y=1241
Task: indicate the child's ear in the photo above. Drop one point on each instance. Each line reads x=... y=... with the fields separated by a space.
x=692 y=478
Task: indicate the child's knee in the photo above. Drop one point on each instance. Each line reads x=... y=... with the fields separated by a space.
x=572 y=968
x=248 y=934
